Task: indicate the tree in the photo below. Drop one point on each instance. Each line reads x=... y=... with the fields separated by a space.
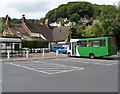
x=42 y=20
x=110 y=23
x=88 y=32
x=83 y=9
x=74 y=17
x=107 y=12
x=97 y=30
x=80 y=31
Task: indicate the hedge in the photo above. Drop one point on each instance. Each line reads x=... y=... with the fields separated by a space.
x=34 y=44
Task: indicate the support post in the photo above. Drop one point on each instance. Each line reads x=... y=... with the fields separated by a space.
x=8 y=54
x=57 y=52
x=27 y=54
x=43 y=54
x=49 y=47
x=23 y=52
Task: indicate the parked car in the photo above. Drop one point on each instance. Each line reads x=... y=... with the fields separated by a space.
x=62 y=50
x=56 y=48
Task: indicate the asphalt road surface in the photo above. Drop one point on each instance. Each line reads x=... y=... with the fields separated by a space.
x=70 y=74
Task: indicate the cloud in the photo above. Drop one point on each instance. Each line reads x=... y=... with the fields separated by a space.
x=28 y=7
x=106 y=2
x=38 y=8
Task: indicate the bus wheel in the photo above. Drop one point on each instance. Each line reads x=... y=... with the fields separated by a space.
x=69 y=54
x=92 y=56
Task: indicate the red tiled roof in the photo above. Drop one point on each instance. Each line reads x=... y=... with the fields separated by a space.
x=52 y=34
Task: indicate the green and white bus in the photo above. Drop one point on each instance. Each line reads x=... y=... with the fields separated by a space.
x=92 y=47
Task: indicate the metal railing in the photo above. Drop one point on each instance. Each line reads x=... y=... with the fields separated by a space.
x=36 y=50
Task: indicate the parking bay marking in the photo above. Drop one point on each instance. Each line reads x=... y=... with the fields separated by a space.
x=107 y=64
x=99 y=63
x=92 y=60
x=48 y=70
x=27 y=68
x=85 y=63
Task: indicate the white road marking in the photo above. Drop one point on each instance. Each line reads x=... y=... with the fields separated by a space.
x=107 y=64
x=57 y=59
x=63 y=65
x=52 y=68
x=99 y=63
x=36 y=61
x=29 y=68
x=65 y=60
x=93 y=59
x=67 y=68
x=86 y=62
x=57 y=64
x=112 y=63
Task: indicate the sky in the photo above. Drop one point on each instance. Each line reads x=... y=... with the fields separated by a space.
x=35 y=9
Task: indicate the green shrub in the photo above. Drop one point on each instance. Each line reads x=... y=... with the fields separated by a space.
x=34 y=44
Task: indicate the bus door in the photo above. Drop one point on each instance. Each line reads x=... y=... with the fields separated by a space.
x=74 y=45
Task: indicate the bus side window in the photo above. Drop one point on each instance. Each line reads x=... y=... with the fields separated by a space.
x=90 y=43
x=102 y=43
x=83 y=43
x=79 y=44
x=96 y=43
x=99 y=43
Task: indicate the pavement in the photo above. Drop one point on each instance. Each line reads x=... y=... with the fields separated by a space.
x=33 y=56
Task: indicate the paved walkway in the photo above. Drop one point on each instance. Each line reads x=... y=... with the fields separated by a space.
x=34 y=56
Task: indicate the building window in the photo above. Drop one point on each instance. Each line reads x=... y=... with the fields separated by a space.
x=8 y=44
x=17 y=32
x=16 y=46
x=6 y=30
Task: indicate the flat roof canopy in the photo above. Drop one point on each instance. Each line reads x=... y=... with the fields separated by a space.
x=12 y=40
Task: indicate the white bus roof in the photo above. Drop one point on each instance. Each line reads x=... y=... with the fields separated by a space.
x=74 y=40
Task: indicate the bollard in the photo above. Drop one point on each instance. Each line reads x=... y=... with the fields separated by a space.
x=23 y=52
x=8 y=55
x=57 y=52
x=27 y=54
x=49 y=50
x=43 y=53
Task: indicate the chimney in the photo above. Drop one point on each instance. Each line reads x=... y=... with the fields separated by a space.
x=46 y=22
x=23 y=18
x=8 y=21
x=59 y=25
